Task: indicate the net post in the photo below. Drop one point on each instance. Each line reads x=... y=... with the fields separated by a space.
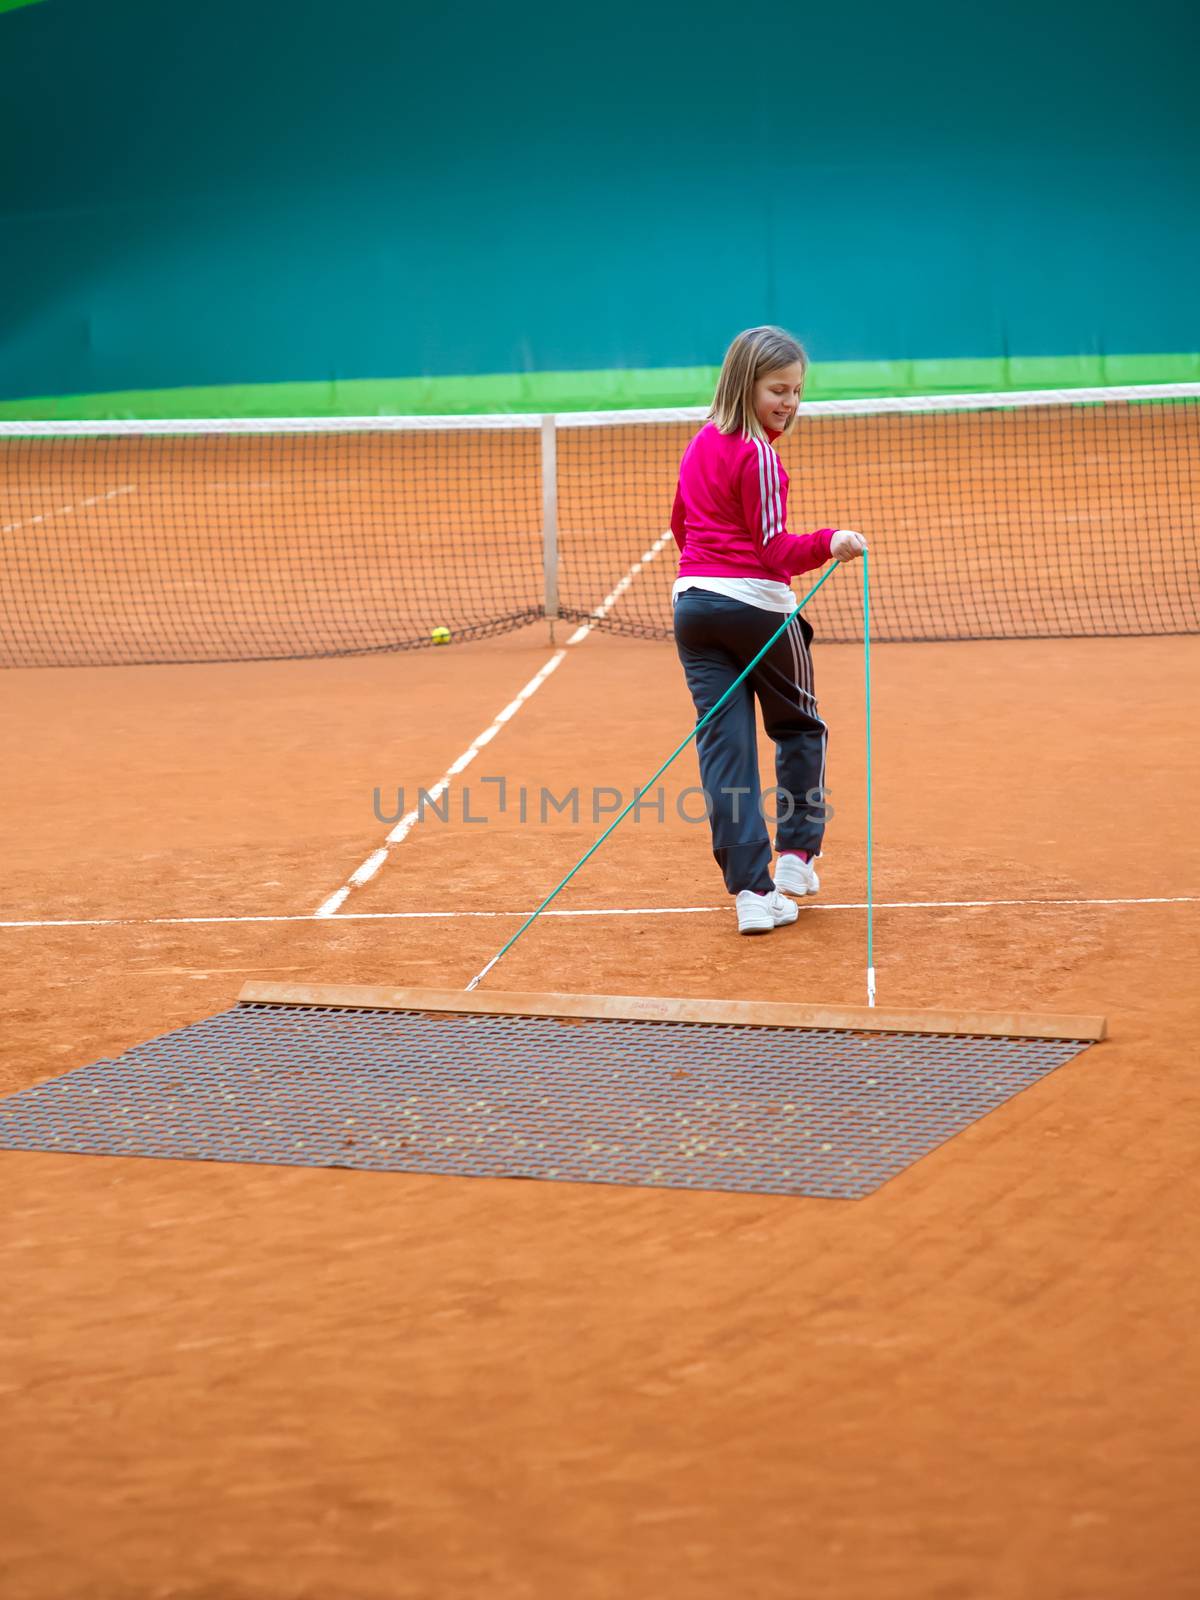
x=550 y=519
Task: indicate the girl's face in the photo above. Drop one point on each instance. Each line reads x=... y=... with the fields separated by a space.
x=776 y=396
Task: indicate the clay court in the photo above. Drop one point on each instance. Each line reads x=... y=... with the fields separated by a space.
x=412 y=1185
x=267 y=1381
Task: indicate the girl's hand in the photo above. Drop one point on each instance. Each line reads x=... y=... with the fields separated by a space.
x=846 y=545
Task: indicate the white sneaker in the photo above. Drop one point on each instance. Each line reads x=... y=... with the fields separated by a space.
x=759 y=913
x=796 y=877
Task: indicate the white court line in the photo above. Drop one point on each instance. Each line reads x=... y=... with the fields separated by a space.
x=66 y=511
x=368 y=869
x=594 y=911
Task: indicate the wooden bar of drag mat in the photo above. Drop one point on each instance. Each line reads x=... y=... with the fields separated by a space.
x=647 y=1008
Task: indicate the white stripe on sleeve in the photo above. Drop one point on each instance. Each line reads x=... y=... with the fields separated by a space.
x=778 y=496
x=765 y=493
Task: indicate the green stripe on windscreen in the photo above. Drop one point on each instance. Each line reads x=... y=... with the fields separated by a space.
x=13 y=5
x=618 y=389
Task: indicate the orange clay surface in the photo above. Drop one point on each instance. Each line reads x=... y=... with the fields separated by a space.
x=251 y=1383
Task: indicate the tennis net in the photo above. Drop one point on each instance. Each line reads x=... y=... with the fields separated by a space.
x=1047 y=514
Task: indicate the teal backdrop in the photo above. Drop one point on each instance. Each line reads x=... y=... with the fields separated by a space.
x=246 y=192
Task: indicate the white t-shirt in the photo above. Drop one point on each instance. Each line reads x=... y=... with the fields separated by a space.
x=764 y=593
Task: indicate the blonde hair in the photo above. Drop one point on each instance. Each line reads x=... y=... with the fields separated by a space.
x=751 y=356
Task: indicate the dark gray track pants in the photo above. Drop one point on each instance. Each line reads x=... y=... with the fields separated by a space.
x=716 y=637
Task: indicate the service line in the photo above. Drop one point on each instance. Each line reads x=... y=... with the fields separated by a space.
x=809 y=908
x=66 y=511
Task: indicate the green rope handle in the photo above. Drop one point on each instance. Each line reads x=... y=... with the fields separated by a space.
x=866 y=599
x=639 y=793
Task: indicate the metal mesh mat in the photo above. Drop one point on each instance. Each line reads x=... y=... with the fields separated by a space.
x=693 y=1106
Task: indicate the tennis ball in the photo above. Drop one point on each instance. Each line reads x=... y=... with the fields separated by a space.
x=440 y=636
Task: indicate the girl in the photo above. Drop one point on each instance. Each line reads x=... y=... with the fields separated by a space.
x=736 y=558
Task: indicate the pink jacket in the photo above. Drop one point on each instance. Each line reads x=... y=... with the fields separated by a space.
x=730 y=513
